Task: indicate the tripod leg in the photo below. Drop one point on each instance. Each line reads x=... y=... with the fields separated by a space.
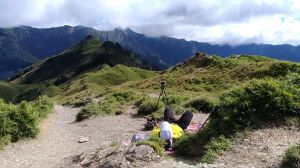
x=159 y=99
x=166 y=97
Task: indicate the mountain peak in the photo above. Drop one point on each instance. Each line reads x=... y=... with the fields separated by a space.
x=90 y=41
x=90 y=37
x=87 y=55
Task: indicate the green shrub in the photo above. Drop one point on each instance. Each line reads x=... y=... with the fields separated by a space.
x=252 y=106
x=282 y=69
x=43 y=106
x=4 y=140
x=214 y=148
x=125 y=95
x=21 y=121
x=178 y=110
x=94 y=109
x=173 y=99
x=202 y=104
x=258 y=102
x=185 y=146
x=26 y=119
x=148 y=107
x=156 y=143
x=6 y=124
x=292 y=157
x=87 y=111
x=113 y=103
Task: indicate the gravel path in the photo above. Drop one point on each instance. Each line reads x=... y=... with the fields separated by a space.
x=59 y=138
x=262 y=148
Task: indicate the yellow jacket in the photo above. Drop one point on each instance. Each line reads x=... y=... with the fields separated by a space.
x=176 y=130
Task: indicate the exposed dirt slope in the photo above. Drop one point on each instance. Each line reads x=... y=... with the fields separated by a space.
x=261 y=148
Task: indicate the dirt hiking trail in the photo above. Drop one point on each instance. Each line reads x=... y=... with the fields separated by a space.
x=58 y=142
x=59 y=136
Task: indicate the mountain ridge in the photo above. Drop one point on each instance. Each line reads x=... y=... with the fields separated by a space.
x=87 y=55
x=24 y=45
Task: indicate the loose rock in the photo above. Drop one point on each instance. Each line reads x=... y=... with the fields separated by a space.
x=83 y=139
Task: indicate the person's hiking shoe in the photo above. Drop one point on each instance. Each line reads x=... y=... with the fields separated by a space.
x=168 y=145
x=150 y=124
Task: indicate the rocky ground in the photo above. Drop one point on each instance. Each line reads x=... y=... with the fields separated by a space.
x=262 y=148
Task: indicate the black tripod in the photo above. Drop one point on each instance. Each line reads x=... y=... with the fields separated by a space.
x=162 y=92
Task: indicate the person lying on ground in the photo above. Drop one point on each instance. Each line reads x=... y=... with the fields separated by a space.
x=172 y=129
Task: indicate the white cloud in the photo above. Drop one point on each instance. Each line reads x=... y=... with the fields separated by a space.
x=214 y=21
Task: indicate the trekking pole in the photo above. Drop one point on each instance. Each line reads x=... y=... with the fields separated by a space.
x=210 y=115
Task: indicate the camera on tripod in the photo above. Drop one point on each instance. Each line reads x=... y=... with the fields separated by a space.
x=163 y=84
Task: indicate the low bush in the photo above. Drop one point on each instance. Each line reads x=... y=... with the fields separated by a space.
x=214 y=148
x=156 y=143
x=178 y=110
x=21 y=121
x=91 y=109
x=255 y=105
x=185 y=145
x=282 y=69
x=148 y=107
x=258 y=103
x=292 y=157
x=43 y=105
x=202 y=104
x=125 y=95
x=111 y=104
x=173 y=99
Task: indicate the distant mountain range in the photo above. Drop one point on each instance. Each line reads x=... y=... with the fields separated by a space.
x=23 y=46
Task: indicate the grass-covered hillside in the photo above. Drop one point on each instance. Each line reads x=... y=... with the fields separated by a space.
x=197 y=83
x=89 y=66
x=206 y=77
x=9 y=91
x=245 y=92
x=85 y=56
x=101 y=82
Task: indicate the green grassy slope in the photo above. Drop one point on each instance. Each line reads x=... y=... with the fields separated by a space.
x=199 y=82
x=82 y=68
x=209 y=76
x=100 y=82
x=87 y=55
x=15 y=93
x=201 y=77
x=9 y=91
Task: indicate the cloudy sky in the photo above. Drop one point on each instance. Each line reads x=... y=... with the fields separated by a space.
x=215 y=21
